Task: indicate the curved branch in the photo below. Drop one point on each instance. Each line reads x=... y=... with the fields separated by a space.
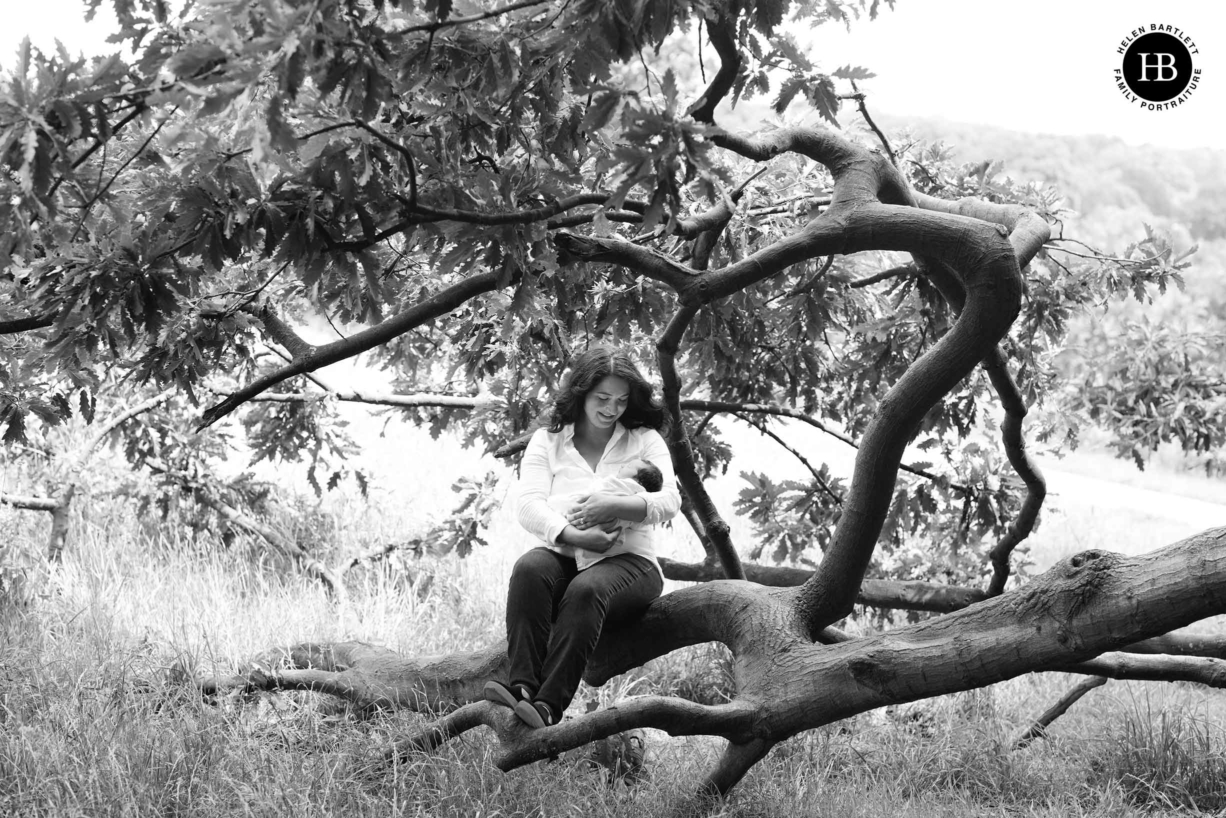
x=1032 y=231
x=722 y=36
x=1028 y=231
x=1023 y=464
x=642 y=260
x=710 y=612
x=677 y=717
x=717 y=531
x=436 y=305
x=123 y=417
x=993 y=286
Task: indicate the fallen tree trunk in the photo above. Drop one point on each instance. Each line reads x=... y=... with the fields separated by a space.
x=1083 y=607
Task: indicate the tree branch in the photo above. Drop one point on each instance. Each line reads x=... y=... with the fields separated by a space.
x=893 y=272
x=29 y=503
x=1038 y=728
x=1023 y=464
x=817 y=477
x=885 y=143
x=1181 y=644
x=722 y=36
x=120 y=419
x=536 y=214
x=282 y=543
x=16 y=325
x=737 y=760
x=436 y=305
x=1121 y=665
x=382 y=399
x=718 y=533
x=475 y=18
x=283 y=334
x=877 y=593
x=642 y=260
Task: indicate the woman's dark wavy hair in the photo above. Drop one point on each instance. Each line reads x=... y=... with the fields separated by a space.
x=587 y=370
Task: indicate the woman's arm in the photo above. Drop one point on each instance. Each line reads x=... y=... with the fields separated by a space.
x=535 y=483
x=662 y=505
x=603 y=507
x=589 y=539
x=648 y=507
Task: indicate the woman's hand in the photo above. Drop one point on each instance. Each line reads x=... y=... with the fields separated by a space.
x=590 y=511
x=589 y=539
x=602 y=508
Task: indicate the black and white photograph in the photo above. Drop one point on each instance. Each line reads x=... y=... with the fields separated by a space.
x=566 y=408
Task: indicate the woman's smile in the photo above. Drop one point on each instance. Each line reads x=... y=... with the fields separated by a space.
x=607 y=401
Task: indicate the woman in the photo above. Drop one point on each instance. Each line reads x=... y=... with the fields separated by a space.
x=604 y=416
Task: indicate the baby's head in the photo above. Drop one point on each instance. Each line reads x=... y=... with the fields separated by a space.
x=644 y=472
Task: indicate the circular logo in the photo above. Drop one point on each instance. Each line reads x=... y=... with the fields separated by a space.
x=1157 y=66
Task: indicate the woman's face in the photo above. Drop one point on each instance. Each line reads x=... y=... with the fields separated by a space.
x=606 y=402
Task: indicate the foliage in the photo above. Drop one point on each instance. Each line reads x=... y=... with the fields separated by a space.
x=464 y=527
x=1152 y=384
x=303 y=430
x=407 y=169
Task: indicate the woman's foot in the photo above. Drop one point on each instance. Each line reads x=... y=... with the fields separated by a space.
x=534 y=714
x=500 y=694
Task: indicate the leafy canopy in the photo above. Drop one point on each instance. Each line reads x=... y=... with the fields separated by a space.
x=401 y=171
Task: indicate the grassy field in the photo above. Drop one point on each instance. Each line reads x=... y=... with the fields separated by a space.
x=97 y=720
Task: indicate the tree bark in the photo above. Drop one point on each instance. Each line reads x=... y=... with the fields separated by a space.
x=1064 y=620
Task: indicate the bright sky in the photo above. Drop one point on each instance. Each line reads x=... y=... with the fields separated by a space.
x=1042 y=66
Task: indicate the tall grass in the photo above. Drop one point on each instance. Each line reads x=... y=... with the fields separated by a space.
x=1165 y=759
x=97 y=716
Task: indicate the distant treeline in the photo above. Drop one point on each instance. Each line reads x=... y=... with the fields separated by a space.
x=1101 y=176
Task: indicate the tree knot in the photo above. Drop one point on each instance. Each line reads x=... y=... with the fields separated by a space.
x=1071 y=586
x=868 y=672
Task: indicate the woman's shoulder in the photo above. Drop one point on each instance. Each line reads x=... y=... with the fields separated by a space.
x=644 y=434
x=544 y=437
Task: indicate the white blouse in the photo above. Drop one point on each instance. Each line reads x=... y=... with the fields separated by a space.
x=552 y=465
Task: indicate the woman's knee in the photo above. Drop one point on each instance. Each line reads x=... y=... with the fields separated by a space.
x=537 y=562
x=584 y=594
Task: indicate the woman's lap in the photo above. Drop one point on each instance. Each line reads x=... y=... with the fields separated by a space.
x=624 y=584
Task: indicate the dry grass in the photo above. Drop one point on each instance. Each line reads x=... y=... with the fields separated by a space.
x=95 y=719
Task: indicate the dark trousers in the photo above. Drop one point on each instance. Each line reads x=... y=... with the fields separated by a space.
x=555 y=613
